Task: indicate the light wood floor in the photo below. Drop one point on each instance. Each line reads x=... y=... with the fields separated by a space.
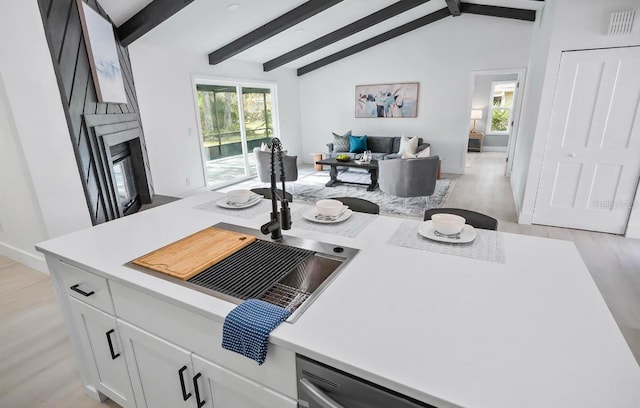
x=37 y=368
x=484 y=188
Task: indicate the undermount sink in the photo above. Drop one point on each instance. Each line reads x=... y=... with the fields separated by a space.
x=290 y=273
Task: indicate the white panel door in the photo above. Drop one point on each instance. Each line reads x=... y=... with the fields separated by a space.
x=591 y=163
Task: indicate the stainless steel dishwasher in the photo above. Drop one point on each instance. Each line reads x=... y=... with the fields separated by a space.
x=321 y=386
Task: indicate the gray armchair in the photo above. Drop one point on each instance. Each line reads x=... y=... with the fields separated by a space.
x=263 y=165
x=415 y=177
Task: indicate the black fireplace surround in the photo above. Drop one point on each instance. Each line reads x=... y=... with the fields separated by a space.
x=116 y=149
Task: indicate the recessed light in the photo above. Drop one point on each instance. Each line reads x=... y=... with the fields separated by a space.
x=233 y=7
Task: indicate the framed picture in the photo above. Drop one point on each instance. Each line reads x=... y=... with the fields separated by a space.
x=387 y=100
x=103 y=55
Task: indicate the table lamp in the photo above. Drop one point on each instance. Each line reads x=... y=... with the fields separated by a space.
x=475 y=114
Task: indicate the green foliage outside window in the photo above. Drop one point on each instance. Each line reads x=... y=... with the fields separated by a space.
x=220 y=117
x=218 y=114
x=500 y=120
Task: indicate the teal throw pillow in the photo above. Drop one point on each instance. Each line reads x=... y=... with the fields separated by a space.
x=357 y=144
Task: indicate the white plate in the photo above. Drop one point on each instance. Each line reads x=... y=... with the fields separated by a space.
x=311 y=213
x=467 y=234
x=253 y=200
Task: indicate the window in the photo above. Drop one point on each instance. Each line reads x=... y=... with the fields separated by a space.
x=501 y=105
x=234 y=118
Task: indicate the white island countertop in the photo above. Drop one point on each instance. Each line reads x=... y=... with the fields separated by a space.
x=450 y=331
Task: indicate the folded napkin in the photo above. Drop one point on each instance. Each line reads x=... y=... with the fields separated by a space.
x=246 y=328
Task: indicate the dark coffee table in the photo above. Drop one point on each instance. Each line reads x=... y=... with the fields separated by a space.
x=372 y=167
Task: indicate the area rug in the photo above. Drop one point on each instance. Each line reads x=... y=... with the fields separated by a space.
x=311 y=188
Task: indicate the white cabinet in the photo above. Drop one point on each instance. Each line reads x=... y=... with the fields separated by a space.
x=161 y=372
x=202 y=335
x=165 y=375
x=87 y=287
x=227 y=389
x=98 y=337
x=145 y=351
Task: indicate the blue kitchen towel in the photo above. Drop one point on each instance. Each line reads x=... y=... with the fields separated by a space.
x=246 y=328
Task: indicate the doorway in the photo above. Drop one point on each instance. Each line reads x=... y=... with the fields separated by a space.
x=233 y=119
x=494 y=112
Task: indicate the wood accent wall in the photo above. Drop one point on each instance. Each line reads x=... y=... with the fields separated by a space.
x=63 y=29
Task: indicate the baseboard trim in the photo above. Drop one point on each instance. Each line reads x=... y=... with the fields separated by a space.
x=452 y=170
x=494 y=149
x=31 y=260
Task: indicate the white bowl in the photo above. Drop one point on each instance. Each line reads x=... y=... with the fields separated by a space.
x=329 y=208
x=239 y=196
x=448 y=224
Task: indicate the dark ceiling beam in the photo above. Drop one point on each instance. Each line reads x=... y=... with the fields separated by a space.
x=342 y=33
x=149 y=17
x=273 y=27
x=495 y=11
x=391 y=34
x=454 y=7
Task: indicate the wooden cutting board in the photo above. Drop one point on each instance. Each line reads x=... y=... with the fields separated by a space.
x=191 y=255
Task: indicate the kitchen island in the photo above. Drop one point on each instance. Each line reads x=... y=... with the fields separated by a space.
x=446 y=330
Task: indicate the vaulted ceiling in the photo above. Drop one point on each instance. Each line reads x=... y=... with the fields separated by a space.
x=298 y=34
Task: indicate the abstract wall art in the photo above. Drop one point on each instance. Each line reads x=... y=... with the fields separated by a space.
x=387 y=100
x=103 y=55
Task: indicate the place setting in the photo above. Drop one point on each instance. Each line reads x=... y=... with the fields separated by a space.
x=450 y=234
x=238 y=199
x=331 y=216
x=448 y=228
x=328 y=212
x=239 y=202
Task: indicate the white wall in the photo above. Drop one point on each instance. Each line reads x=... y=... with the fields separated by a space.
x=481 y=100
x=163 y=81
x=21 y=223
x=530 y=104
x=441 y=57
x=53 y=202
x=566 y=25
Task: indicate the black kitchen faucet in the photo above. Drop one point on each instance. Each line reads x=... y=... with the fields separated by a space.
x=279 y=220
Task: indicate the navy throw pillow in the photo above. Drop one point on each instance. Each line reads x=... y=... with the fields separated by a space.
x=357 y=144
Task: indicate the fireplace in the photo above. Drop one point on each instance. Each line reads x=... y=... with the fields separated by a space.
x=124 y=178
x=117 y=152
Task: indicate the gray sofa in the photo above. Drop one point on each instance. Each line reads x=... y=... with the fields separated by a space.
x=382 y=148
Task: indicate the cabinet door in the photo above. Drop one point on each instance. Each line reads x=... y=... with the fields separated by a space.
x=161 y=372
x=100 y=342
x=227 y=389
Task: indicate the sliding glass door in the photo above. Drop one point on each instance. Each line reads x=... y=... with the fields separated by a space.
x=234 y=118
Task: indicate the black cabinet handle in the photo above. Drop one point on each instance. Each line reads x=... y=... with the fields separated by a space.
x=80 y=291
x=113 y=354
x=195 y=386
x=185 y=396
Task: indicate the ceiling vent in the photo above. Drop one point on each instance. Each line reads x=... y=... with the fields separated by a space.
x=624 y=22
